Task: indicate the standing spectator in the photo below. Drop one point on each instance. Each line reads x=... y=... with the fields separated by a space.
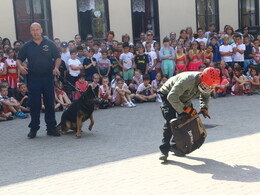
x=17 y=44
x=114 y=63
x=208 y=55
x=12 y=71
x=126 y=39
x=173 y=36
x=245 y=32
x=190 y=36
x=256 y=53
x=149 y=38
x=195 y=57
x=80 y=54
x=152 y=56
x=215 y=44
x=209 y=34
x=202 y=36
x=6 y=41
x=57 y=42
x=90 y=43
x=230 y=32
x=77 y=39
x=167 y=55
x=104 y=65
x=126 y=63
x=183 y=35
x=142 y=37
x=159 y=61
x=41 y=54
x=74 y=67
x=65 y=54
x=3 y=69
x=97 y=53
x=180 y=60
x=248 y=52
x=89 y=64
x=239 y=50
x=226 y=51
x=110 y=39
x=71 y=45
x=141 y=60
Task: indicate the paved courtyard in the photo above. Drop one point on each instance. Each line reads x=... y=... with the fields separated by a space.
x=120 y=155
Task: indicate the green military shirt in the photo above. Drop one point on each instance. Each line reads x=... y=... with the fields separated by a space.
x=182 y=88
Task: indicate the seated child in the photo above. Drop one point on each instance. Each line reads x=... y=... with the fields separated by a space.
x=113 y=82
x=95 y=82
x=156 y=82
x=121 y=95
x=105 y=94
x=136 y=81
x=3 y=70
x=201 y=68
x=5 y=116
x=165 y=77
x=62 y=98
x=156 y=85
x=145 y=92
x=254 y=81
x=221 y=88
x=241 y=83
x=81 y=85
x=10 y=104
x=22 y=97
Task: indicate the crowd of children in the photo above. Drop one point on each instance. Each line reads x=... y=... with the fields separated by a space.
x=128 y=73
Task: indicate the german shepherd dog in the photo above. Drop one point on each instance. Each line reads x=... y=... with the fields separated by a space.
x=79 y=111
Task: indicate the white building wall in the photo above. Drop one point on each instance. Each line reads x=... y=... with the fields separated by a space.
x=120 y=18
x=176 y=15
x=228 y=14
x=7 y=20
x=64 y=19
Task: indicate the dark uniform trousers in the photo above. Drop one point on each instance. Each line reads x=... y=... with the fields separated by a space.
x=168 y=113
x=41 y=86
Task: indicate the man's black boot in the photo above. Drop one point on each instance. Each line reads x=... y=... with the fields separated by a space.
x=32 y=134
x=53 y=133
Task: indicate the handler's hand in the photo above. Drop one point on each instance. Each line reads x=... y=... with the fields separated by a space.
x=205 y=113
x=56 y=72
x=23 y=70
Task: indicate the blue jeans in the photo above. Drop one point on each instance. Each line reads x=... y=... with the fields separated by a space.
x=247 y=62
x=152 y=74
x=38 y=86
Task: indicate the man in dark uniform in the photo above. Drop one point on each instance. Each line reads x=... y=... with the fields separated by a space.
x=43 y=63
x=177 y=95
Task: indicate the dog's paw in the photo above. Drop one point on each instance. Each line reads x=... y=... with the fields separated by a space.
x=90 y=127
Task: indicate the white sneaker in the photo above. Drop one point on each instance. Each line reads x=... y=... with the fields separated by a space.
x=128 y=105
x=133 y=105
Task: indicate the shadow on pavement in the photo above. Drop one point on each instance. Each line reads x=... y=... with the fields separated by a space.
x=220 y=170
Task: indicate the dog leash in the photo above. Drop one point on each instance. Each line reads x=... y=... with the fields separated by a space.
x=70 y=84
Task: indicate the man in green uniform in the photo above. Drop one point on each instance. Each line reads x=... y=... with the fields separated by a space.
x=177 y=95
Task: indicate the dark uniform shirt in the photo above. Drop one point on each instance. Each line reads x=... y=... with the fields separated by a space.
x=40 y=57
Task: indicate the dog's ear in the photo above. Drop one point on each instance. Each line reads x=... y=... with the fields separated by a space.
x=89 y=88
x=96 y=89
